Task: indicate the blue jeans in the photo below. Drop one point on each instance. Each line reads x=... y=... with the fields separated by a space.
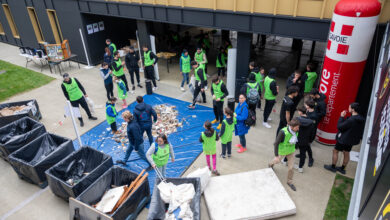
x=185 y=79
x=148 y=133
x=162 y=170
x=140 y=152
x=242 y=140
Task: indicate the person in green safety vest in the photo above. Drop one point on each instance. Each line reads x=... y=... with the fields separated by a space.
x=149 y=59
x=185 y=68
x=284 y=146
x=228 y=45
x=75 y=93
x=221 y=62
x=226 y=132
x=201 y=58
x=252 y=92
x=259 y=74
x=219 y=93
x=206 y=43
x=111 y=114
x=118 y=68
x=271 y=90
x=159 y=152
x=111 y=46
x=309 y=77
x=209 y=139
x=200 y=82
x=122 y=92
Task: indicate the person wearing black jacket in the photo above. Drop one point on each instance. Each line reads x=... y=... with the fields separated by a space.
x=295 y=79
x=350 y=132
x=287 y=108
x=311 y=112
x=200 y=82
x=319 y=99
x=305 y=138
x=145 y=115
x=136 y=141
x=131 y=60
x=75 y=93
x=150 y=60
x=219 y=93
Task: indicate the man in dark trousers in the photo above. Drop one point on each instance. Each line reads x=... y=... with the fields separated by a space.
x=350 y=132
x=143 y=114
x=219 y=93
x=150 y=59
x=75 y=93
x=132 y=59
x=287 y=107
x=200 y=82
x=319 y=100
x=295 y=79
x=252 y=92
x=305 y=138
x=271 y=91
x=117 y=69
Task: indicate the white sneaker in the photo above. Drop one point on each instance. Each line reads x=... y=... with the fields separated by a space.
x=155 y=88
x=182 y=89
x=269 y=119
x=205 y=88
x=283 y=162
x=300 y=170
x=265 y=124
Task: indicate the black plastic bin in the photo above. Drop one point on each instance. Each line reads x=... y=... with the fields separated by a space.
x=19 y=133
x=158 y=208
x=33 y=113
x=84 y=166
x=116 y=176
x=31 y=161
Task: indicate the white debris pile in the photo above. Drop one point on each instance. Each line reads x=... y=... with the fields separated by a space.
x=167 y=121
x=178 y=196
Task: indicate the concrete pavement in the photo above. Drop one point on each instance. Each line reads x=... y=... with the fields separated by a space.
x=21 y=200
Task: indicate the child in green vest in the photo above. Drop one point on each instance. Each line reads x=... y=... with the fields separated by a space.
x=284 y=146
x=122 y=92
x=209 y=139
x=185 y=68
x=111 y=114
x=159 y=152
x=226 y=132
x=309 y=77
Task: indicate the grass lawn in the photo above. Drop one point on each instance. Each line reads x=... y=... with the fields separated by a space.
x=17 y=79
x=340 y=196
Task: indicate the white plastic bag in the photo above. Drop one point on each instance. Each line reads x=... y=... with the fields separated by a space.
x=91 y=105
x=204 y=174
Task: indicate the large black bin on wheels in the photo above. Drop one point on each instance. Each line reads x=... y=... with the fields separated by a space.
x=158 y=208
x=75 y=173
x=32 y=111
x=17 y=134
x=116 y=176
x=31 y=161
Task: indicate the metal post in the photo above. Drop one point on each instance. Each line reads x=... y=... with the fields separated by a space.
x=74 y=123
x=85 y=50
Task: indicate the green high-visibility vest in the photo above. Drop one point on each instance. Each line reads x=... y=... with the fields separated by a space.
x=74 y=92
x=122 y=94
x=161 y=157
x=206 y=42
x=185 y=64
x=196 y=73
x=199 y=57
x=311 y=78
x=113 y=48
x=110 y=119
x=148 y=61
x=175 y=38
x=209 y=144
x=286 y=148
x=251 y=86
x=227 y=135
x=259 y=79
x=120 y=71
x=223 y=58
x=268 y=93
x=217 y=90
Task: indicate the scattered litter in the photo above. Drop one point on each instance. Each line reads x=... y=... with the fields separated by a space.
x=167 y=121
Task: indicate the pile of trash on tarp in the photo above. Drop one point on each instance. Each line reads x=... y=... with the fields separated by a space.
x=19 y=109
x=167 y=121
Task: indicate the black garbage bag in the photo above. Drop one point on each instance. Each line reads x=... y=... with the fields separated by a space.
x=72 y=175
x=31 y=161
x=19 y=133
x=116 y=176
x=31 y=111
x=158 y=208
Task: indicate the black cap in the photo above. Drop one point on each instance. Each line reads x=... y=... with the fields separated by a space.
x=131 y=48
x=66 y=75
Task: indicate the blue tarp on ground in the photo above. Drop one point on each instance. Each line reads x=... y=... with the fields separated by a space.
x=185 y=141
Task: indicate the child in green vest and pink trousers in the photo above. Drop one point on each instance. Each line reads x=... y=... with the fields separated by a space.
x=226 y=132
x=209 y=139
x=159 y=152
x=122 y=91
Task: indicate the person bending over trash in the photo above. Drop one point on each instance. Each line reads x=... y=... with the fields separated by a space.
x=158 y=154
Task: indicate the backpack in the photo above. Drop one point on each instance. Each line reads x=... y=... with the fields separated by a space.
x=253 y=94
x=251 y=120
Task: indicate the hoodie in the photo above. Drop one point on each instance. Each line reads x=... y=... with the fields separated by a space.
x=143 y=115
x=307 y=131
x=299 y=83
x=272 y=74
x=134 y=134
x=320 y=106
x=350 y=130
x=109 y=111
x=229 y=121
x=209 y=134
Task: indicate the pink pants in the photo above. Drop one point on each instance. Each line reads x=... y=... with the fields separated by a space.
x=214 y=161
